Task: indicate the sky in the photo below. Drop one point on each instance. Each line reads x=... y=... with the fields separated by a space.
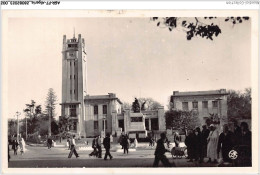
x=131 y=57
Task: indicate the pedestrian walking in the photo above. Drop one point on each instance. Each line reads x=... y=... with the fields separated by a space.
x=15 y=146
x=160 y=152
x=125 y=144
x=72 y=148
x=106 y=143
x=49 y=142
x=94 y=146
x=22 y=145
x=204 y=140
x=212 y=144
x=225 y=143
x=98 y=143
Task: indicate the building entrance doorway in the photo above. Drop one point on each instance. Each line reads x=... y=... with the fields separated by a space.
x=121 y=124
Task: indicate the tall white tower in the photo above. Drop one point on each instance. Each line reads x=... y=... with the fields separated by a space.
x=74 y=69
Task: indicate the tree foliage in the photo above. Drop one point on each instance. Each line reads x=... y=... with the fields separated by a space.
x=33 y=113
x=150 y=103
x=239 y=105
x=213 y=119
x=50 y=103
x=178 y=119
x=64 y=124
x=126 y=105
x=202 y=27
x=12 y=127
x=54 y=128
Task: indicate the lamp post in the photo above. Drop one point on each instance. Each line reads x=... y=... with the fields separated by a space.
x=25 y=127
x=17 y=115
x=219 y=110
x=50 y=114
x=104 y=119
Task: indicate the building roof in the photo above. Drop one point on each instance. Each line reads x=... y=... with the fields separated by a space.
x=110 y=96
x=195 y=93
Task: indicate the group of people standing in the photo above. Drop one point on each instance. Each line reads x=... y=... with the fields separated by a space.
x=209 y=143
x=18 y=143
x=125 y=143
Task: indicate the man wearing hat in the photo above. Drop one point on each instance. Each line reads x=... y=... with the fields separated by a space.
x=212 y=144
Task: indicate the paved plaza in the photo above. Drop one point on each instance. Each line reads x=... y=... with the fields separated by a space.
x=36 y=156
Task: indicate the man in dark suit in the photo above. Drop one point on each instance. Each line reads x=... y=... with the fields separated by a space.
x=106 y=143
x=160 y=152
x=225 y=143
x=204 y=136
x=198 y=145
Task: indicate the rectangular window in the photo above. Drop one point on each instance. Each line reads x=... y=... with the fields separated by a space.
x=74 y=63
x=70 y=91
x=73 y=111
x=214 y=104
x=95 y=109
x=70 y=76
x=185 y=106
x=154 y=124
x=72 y=106
x=74 y=91
x=205 y=104
x=136 y=119
x=104 y=109
x=74 y=76
x=105 y=124
x=95 y=124
x=70 y=63
x=195 y=105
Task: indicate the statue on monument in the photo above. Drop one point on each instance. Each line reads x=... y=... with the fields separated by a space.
x=144 y=106
x=136 y=106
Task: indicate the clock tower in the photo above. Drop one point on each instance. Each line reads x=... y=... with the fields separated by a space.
x=74 y=85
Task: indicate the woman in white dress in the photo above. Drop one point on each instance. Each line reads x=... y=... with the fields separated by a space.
x=212 y=144
x=22 y=145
